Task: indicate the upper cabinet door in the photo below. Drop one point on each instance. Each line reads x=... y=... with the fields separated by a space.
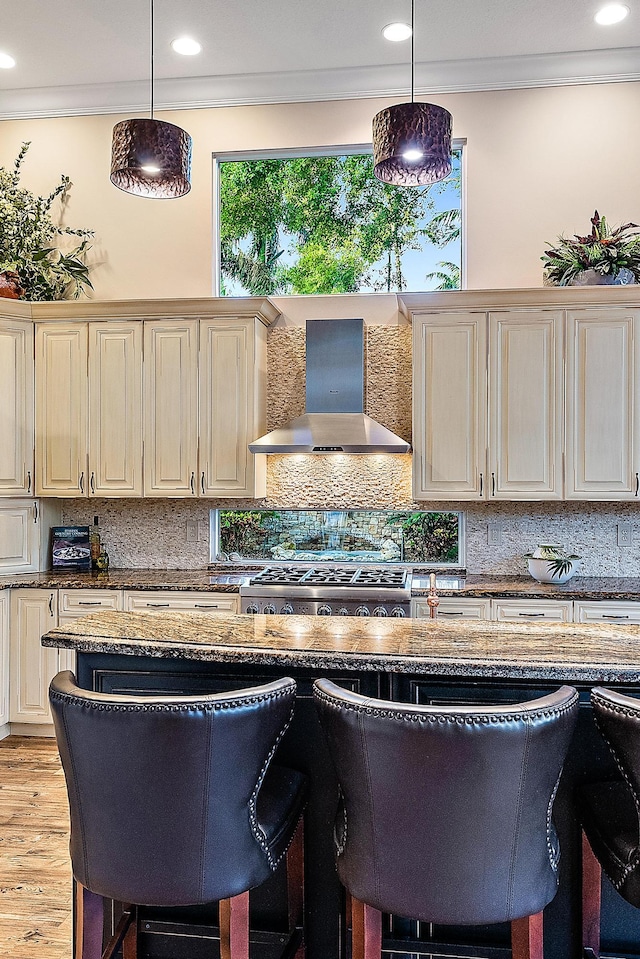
x=115 y=409
x=61 y=409
x=525 y=405
x=170 y=407
x=602 y=404
x=16 y=408
x=232 y=407
x=449 y=406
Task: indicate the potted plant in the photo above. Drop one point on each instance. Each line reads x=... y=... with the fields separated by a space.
x=32 y=265
x=605 y=256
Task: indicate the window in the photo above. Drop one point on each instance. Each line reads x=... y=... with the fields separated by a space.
x=325 y=224
x=338 y=536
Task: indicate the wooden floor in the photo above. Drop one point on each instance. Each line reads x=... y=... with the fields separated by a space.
x=35 y=875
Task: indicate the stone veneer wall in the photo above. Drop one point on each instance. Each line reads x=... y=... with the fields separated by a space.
x=151 y=533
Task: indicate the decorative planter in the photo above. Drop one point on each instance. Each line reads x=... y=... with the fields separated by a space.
x=593 y=278
x=550 y=563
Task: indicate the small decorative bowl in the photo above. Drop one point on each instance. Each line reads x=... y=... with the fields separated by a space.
x=556 y=569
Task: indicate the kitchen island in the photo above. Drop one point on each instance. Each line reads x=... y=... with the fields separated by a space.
x=408 y=660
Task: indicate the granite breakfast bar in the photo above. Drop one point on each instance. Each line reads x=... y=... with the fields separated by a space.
x=404 y=660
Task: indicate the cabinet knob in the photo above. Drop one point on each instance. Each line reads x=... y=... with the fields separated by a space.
x=193 y=483
x=81 y=482
x=28 y=481
x=92 y=482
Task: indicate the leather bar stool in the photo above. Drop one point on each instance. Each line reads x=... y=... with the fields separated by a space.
x=175 y=802
x=610 y=814
x=445 y=811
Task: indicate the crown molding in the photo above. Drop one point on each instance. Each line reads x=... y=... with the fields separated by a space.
x=449 y=76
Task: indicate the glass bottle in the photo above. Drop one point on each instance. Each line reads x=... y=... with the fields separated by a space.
x=94 y=543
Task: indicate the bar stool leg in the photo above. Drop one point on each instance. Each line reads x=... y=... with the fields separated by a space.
x=591 y=898
x=526 y=937
x=366 y=931
x=295 y=886
x=234 y=927
x=89 y=919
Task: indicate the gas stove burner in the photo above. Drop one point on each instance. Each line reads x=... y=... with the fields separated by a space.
x=328 y=591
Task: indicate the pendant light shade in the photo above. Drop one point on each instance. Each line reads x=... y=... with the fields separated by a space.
x=412 y=141
x=412 y=144
x=151 y=158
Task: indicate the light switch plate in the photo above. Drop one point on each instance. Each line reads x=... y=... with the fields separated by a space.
x=624 y=534
x=192 y=531
x=494 y=534
x=203 y=531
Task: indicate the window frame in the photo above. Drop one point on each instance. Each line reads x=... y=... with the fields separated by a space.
x=292 y=153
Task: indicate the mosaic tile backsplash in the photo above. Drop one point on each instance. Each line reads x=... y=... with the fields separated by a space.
x=153 y=533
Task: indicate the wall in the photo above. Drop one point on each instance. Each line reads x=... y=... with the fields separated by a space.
x=537 y=164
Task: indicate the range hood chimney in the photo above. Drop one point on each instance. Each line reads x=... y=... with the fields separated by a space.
x=334 y=420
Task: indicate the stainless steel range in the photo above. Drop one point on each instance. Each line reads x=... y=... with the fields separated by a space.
x=328 y=591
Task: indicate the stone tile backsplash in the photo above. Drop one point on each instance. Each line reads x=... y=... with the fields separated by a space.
x=153 y=533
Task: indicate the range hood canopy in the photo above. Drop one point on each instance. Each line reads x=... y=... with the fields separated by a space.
x=334 y=420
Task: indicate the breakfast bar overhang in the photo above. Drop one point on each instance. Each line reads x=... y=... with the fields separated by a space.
x=418 y=661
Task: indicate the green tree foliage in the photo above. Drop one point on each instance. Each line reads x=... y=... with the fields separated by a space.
x=448 y=276
x=428 y=537
x=331 y=216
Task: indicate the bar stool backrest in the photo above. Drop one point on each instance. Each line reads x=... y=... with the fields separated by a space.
x=163 y=790
x=618 y=718
x=446 y=810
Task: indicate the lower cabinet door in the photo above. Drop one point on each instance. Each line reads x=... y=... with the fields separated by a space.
x=523 y=610
x=451 y=608
x=31 y=665
x=161 y=600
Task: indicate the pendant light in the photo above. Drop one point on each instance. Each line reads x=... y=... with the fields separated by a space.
x=412 y=141
x=151 y=157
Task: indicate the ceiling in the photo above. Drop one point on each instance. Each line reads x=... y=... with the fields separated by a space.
x=92 y=56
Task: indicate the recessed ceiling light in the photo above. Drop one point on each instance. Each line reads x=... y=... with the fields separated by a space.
x=396 y=32
x=6 y=61
x=611 y=13
x=186 y=46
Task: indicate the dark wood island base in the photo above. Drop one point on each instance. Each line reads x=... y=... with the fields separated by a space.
x=406 y=660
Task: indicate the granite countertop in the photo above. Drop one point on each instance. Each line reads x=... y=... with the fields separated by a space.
x=225 y=579
x=558 y=652
x=207 y=580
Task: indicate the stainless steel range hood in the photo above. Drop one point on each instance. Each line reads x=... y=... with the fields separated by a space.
x=334 y=421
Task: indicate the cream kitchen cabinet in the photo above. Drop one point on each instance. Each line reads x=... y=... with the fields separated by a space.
x=603 y=404
x=526 y=408
x=171 y=408
x=205 y=400
x=607 y=611
x=524 y=610
x=89 y=409
x=16 y=407
x=19 y=536
x=488 y=422
x=4 y=660
x=450 y=607
x=33 y=666
x=161 y=600
x=449 y=406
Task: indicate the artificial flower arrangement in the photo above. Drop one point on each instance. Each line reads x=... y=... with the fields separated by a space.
x=612 y=254
x=32 y=265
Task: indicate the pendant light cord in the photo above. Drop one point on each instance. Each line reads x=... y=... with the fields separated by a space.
x=413 y=62
x=152 y=59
